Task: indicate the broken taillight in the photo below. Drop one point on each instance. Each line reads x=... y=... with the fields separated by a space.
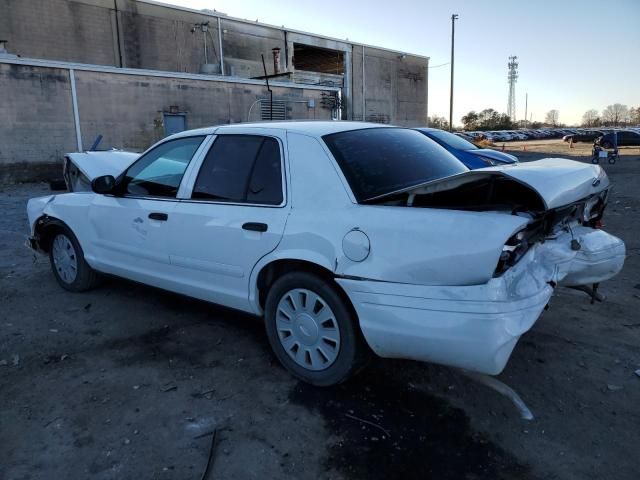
x=512 y=251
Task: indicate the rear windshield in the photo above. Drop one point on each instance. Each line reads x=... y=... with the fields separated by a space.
x=452 y=140
x=377 y=161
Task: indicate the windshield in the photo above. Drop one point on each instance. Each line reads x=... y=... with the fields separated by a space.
x=451 y=140
x=377 y=161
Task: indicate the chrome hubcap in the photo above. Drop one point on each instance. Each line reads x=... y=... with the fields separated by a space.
x=65 y=260
x=307 y=329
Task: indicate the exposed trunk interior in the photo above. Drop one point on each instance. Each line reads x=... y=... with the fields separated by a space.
x=486 y=193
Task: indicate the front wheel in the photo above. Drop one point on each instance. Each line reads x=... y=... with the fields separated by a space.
x=312 y=330
x=69 y=267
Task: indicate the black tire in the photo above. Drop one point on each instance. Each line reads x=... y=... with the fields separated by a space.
x=353 y=351
x=86 y=278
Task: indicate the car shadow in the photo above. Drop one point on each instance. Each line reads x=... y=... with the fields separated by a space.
x=384 y=427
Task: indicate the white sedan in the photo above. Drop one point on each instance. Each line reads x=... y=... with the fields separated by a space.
x=346 y=237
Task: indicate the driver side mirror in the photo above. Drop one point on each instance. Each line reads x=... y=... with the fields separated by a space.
x=103 y=184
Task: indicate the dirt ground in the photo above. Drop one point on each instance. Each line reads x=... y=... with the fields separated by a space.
x=129 y=382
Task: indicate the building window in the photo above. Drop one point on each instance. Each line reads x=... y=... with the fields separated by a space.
x=315 y=59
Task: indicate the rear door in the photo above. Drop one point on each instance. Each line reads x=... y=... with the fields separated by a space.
x=234 y=214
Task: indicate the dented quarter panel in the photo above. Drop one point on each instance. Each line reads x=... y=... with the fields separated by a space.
x=429 y=246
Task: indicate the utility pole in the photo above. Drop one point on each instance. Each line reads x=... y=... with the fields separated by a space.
x=454 y=17
x=526 y=105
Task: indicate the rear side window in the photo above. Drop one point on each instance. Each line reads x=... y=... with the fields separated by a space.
x=239 y=169
x=378 y=161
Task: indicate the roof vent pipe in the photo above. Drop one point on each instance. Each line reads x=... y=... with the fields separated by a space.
x=276 y=60
x=3 y=50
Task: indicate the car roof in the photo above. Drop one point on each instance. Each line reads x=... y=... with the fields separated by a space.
x=315 y=128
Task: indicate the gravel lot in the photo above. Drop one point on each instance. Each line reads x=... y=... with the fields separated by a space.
x=128 y=381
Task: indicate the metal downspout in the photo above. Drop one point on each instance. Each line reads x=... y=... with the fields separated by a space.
x=220 y=45
x=364 y=102
x=76 y=115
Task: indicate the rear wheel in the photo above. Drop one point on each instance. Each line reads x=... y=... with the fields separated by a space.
x=312 y=330
x=69 y=267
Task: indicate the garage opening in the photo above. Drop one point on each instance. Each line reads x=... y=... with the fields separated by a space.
x=315 y=59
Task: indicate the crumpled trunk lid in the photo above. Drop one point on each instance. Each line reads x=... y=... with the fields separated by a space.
x=557 y=180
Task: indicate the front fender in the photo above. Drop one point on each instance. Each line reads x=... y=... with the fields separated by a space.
x=69 y=208
x=36 y=209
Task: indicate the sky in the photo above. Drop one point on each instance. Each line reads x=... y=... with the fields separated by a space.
x=574 y=55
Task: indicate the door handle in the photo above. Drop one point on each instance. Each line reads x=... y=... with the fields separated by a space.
x=163 y=217
x=255 y=226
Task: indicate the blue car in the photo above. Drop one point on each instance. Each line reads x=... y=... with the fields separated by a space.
x=472 y=156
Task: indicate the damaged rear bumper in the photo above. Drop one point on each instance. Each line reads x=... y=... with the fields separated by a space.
x=476 y=327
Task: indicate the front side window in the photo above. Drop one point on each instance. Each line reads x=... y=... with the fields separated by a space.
x=378 y=161
x=241 y=169
x=159 y=172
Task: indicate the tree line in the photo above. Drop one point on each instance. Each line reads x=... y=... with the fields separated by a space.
x=615 y=115
x=489 y=119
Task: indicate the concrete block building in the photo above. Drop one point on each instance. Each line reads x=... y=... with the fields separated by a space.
x=135 y=71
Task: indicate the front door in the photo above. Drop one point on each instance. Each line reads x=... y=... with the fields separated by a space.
x=234 y=215
x=130 y=230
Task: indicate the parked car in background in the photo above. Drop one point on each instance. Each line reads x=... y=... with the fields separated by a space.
x=500 y=136
x=584 y=136
x=464 y=136
x=626 y=138
x=519 y=135
x=393 y=246
x=465 y=151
